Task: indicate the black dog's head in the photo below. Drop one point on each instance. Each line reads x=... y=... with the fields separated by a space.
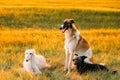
x=79 y=60
x=66 y=25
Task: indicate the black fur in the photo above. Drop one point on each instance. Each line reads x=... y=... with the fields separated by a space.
x=67 y=24
x=83 y=67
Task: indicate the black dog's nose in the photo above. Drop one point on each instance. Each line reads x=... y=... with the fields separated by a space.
x=73 y=59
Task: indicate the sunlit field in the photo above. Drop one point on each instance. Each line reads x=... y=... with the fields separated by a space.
x=101 y=5
x=26 y=24
x=53 y=18
x=105 y=45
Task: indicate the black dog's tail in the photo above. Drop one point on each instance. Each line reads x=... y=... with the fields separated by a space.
x=111 y=71
x=114 y=72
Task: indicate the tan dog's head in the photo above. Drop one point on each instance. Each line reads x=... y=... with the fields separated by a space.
x=67 y=25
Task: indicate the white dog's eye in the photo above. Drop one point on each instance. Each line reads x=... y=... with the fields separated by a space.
x=30 y=53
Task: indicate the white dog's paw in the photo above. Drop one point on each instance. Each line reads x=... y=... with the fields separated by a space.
x=39 y=72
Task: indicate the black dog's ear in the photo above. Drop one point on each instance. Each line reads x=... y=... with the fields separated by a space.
x=72 y=21
x=83 y=57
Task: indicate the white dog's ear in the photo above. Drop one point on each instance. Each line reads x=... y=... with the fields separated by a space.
x=26 y=51
x=33 y=51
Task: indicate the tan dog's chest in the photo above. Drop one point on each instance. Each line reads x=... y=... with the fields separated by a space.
x=76 y=43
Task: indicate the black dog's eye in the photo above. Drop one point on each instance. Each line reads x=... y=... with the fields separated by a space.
x=30 y=53
x=76 y=54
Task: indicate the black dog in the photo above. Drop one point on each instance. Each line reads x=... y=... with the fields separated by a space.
x=83 y=67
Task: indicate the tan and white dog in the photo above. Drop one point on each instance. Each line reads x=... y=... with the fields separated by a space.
x=74 y=44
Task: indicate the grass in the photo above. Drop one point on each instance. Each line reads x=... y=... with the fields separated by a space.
x=34 y=24
x=53 y=18
x=13 y=43
x=100 y=5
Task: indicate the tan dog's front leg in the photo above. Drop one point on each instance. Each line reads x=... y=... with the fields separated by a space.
x=66 y=60
x=70 y=61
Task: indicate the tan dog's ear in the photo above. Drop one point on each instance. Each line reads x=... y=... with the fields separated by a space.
x=72 y=21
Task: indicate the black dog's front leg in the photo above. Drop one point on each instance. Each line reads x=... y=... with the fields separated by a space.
x=81 y=72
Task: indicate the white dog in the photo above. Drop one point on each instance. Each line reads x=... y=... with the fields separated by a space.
x=33 y=63
x=74 y=44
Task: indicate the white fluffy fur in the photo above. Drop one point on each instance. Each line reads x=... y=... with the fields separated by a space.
x=33 y=62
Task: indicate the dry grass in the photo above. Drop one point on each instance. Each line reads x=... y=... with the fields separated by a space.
x=105 y=45
x=101 y=5
x=22 y=28
x=53 y=18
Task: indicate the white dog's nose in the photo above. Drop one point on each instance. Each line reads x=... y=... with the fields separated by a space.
x=26 y=60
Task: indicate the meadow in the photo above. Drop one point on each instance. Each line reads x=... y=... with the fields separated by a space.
x=53 y=18
x=105 y=45
x=34 y=24
x=104 y=5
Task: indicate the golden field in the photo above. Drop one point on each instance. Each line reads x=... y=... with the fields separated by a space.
x=105 y=45
x=26 y=24
x=101 y=5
